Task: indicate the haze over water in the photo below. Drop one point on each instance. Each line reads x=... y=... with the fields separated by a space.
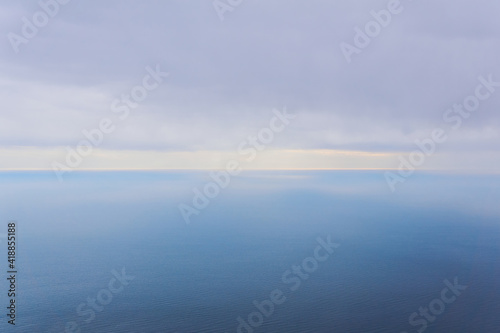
x=395 y=250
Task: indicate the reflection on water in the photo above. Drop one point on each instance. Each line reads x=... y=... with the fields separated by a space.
x=396 y=251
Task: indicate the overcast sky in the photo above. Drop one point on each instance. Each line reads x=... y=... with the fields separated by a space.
x=226 y=76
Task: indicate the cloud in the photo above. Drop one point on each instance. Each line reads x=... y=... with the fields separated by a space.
x=226 y=77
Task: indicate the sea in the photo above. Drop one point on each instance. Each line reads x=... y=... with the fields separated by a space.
x=261 y=251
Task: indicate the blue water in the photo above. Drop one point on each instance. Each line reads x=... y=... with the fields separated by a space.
x=395 y=251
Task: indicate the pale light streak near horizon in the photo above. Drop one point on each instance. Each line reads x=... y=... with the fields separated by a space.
x=34 y=158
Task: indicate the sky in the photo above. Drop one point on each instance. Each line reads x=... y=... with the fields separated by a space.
x=209 y=75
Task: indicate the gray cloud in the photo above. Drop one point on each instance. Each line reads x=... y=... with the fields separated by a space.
x=225 y=77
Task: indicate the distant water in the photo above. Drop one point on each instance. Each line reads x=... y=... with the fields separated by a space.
x=396 y=250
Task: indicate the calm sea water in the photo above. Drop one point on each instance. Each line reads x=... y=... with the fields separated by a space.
x=395 y=252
